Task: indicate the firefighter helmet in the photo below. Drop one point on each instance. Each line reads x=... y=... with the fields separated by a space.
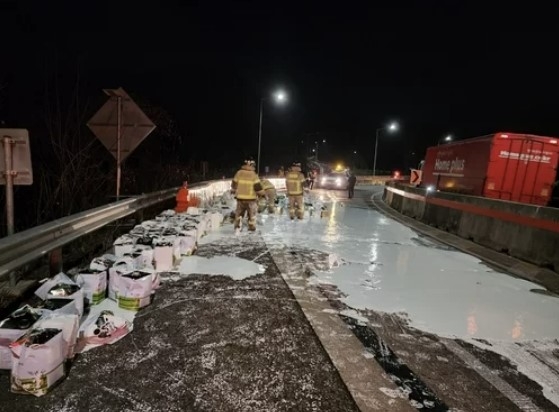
x=250 y=162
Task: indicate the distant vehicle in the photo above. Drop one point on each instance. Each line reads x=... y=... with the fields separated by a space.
x=334 y=180
x=508 y=166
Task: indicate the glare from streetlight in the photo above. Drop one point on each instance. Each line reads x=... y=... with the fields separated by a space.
x=448 y=138
x=323 y=140
x=280 y=96
x=393 y=126
x=355 y=152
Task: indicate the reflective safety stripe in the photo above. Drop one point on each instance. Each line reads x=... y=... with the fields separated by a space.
x=245 y=180
x=266 y=184
x=294 y=183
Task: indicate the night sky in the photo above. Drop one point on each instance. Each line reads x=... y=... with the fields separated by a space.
x=436 y=67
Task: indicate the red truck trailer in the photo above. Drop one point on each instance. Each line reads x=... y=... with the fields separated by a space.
x=508 y=166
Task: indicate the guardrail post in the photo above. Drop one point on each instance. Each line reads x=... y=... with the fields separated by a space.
x=139 y=216
x=55 y=261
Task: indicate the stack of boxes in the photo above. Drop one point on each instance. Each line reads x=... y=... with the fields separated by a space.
x=36 y=343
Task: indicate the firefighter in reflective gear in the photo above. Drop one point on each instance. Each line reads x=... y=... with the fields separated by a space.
x=247 y=186
x=294 y=181
x=182 y=198
x=269 y=196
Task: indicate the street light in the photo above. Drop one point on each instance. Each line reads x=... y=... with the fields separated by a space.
x=315 y=150
x=392 y=127
x=280 y=97
x=448 y=138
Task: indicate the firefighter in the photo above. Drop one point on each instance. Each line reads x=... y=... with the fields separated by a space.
x=182 y=198
x=294 y=181
x=246 y=186
x=270 y=196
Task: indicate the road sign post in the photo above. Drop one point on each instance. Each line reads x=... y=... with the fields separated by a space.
x=8 y=142
x=121 y=126
x=15 y=167
x=118 y=140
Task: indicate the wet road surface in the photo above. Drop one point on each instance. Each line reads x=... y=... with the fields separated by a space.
x=445 y=373
x=287 y=340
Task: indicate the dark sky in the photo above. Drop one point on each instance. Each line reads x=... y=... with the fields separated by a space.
x=460 y=67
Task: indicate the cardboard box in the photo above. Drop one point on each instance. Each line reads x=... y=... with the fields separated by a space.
x=12 y=328
x=187 y=245
x=114 y=275
x=122 y=245
x=164 y=252
x=142 y=256
x=61 y=306
x=37 y=366
x=52 y=289
x=68 y=324
x=93 y=284
x=103 y=262
x=134 y=290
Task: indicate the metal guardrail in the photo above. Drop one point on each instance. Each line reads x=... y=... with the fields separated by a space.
x=24 y=247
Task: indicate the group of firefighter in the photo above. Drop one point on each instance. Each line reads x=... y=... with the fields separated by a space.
x=248 y=188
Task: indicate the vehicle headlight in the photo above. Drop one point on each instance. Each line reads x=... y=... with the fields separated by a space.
x=338 y=181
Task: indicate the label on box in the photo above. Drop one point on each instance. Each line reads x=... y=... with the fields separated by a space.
x=130 y=303
x=98 y=297
x=39 y=384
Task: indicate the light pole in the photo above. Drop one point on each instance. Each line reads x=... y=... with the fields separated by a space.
x=279 y=97
x=392 y=127
x=315 y=150
x=446 y=139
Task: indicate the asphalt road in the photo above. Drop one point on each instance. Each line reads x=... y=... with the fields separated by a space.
x=276 y=342
x=207 y=343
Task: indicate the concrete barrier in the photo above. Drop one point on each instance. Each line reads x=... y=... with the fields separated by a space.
x=361 y=179
x=376 y=180
x=524 y=231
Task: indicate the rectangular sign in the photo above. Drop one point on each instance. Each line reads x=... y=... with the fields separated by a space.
x=21 y=156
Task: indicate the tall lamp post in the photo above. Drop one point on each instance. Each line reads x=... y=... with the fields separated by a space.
x=279 y=97
x=392 y=127
x=315 y=150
